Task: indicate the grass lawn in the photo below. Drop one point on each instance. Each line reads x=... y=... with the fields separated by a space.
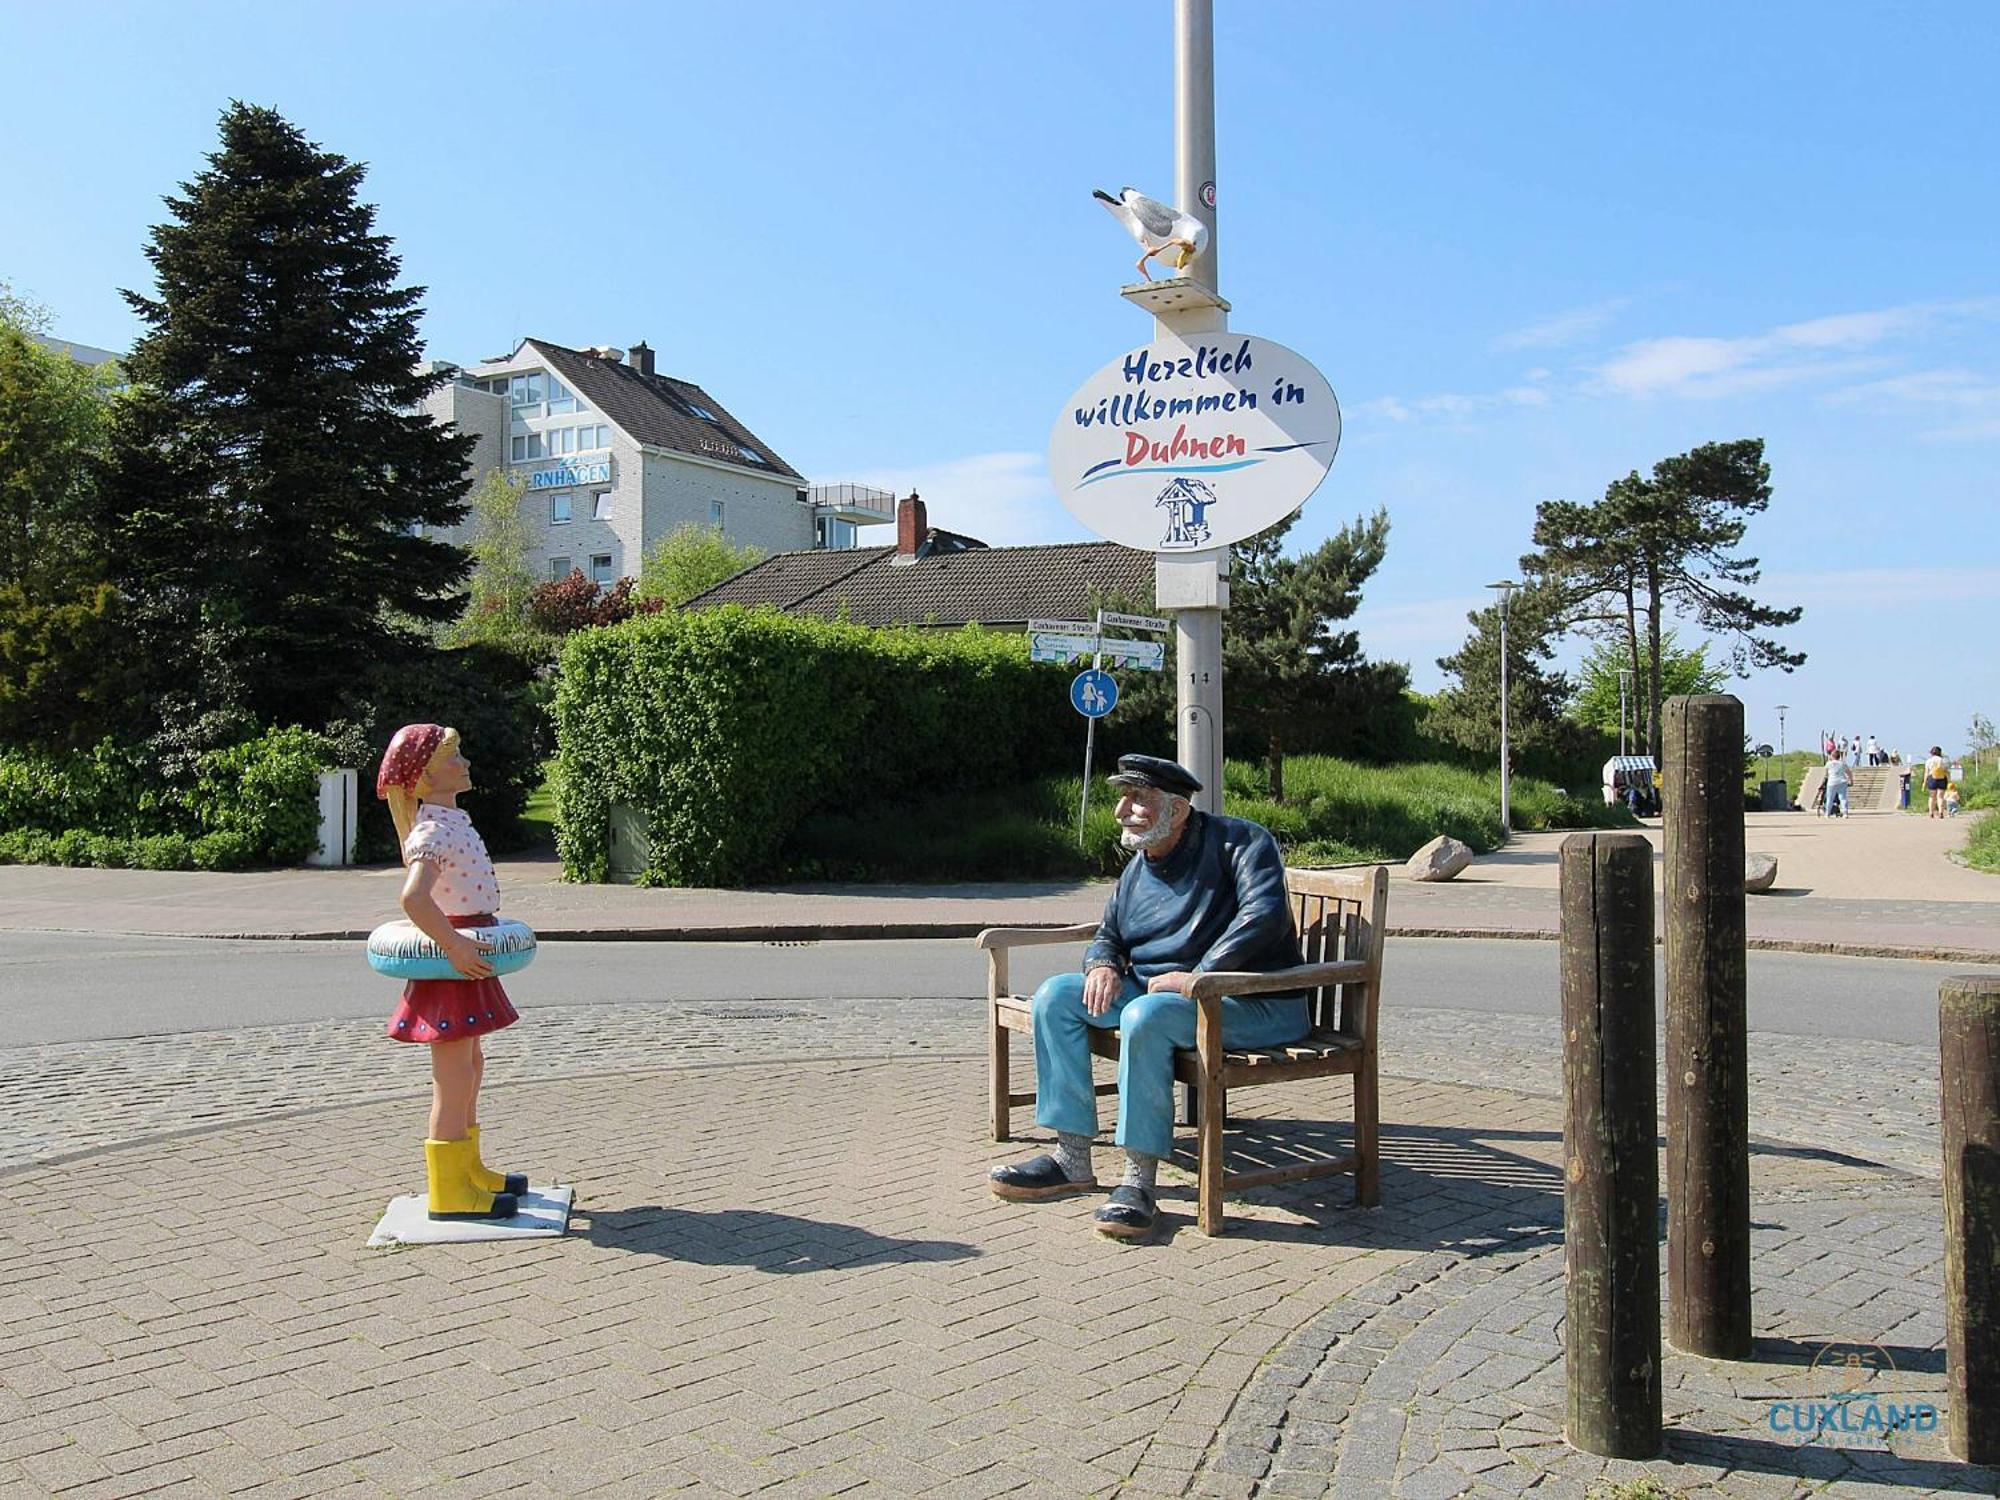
x=1335 y=812
x=1982 y=848
x=539 y=819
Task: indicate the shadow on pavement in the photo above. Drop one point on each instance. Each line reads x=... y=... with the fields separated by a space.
x=1443 y=1187
x=780 y=1243
x=1826 y=1462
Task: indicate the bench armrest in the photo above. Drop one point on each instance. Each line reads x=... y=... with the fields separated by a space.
x=1024 y=937
x=1304 y=977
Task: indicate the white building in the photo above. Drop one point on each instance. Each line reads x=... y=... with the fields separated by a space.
x=616 y=456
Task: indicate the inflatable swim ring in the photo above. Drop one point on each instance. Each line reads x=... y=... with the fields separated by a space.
x=401 y=950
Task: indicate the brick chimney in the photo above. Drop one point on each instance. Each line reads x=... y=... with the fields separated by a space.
x=640 y=358
x=911 y=527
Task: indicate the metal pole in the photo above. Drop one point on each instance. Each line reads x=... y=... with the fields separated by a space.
x=1090 y=734
x=1200 y=592
x=1506 y=814
x=1506 y=591
x=1194 y=124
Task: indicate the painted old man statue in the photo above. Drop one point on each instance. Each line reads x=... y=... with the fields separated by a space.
x=1207 y=893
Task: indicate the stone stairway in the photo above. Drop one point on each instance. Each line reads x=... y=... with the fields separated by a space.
x=1874 y=788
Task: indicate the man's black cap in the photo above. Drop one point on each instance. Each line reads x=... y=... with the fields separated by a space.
x=1151 y=770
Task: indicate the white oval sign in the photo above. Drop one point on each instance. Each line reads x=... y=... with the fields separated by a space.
x=1193 y=443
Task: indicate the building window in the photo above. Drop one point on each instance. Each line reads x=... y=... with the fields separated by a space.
x=560 y=568
x=526 y=447
x=559 y=508
x=695 y=408
x=560 y=398
x=525 y=390
x=715 y=514
x=600 y=567
x=750 y=453
x=600 y=506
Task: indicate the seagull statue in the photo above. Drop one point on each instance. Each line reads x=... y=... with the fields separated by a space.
x=1156 y=226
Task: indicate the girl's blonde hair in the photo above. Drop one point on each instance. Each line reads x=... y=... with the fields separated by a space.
x=403 y=800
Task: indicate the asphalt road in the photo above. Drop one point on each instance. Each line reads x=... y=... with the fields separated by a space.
x=63 y=989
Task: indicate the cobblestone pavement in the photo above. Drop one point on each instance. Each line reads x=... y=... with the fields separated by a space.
x=1445 y=1377
x=786 y=1275
x=75 y=1098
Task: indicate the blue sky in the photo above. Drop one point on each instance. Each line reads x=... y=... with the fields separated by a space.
x=1533 y=247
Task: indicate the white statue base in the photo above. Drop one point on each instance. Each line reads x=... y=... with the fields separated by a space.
x=543 y=1215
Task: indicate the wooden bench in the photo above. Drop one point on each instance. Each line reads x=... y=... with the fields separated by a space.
x=1339 y=917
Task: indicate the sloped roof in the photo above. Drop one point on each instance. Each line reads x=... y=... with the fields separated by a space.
x=660 y=411
x=993 y=585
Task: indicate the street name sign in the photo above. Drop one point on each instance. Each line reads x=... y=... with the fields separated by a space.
x=1110 y=621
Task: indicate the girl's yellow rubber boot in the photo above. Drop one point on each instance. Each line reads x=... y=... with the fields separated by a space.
x=485 y=1177
x=452 y=1193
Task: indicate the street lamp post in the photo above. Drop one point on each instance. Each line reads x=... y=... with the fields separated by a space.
x=1624 y=677
x=1781 y=730
x=1506 y=590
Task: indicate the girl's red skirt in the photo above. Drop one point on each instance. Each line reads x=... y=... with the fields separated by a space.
x=443 y=1010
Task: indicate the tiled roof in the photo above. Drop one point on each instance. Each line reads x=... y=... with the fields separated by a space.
x=993 y=585
x=660 y=411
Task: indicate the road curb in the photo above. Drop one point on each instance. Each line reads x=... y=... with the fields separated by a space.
x=862 y=932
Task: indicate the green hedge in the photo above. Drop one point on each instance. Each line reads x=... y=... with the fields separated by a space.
x=727 y=728
x=255 y=803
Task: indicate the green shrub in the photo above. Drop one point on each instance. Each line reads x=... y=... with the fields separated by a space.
x=26 y=846
x=72 y=847
x=109 y=788
x=161 y=851
x=226 y=849
x=260 y=799
x=730 y=728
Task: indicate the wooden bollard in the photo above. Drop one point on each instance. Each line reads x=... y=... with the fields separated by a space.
x=1969 y=1068
x=1611 y=1173
x=1708 y=1095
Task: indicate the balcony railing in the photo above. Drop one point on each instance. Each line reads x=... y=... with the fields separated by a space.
x=858 y=503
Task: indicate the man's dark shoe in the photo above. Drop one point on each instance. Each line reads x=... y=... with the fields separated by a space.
x=1130 y=1215
x=1035 y=1179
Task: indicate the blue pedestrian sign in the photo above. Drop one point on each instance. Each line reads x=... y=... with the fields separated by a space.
x=1094 y=693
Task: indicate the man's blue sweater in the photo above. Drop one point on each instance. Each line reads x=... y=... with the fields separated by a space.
x=1216 y=902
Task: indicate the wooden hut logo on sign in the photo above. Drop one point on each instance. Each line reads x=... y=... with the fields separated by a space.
x=1241 y=429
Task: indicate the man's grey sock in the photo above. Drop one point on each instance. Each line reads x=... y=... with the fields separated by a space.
x=1140 y=1170
x=1072 y=1154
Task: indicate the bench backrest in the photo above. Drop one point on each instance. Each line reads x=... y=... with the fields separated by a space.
x=1339 y=915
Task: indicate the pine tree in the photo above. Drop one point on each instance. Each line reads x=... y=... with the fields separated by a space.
x=271 y=472
x=1282 y=660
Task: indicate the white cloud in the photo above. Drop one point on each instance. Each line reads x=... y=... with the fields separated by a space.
x=1453 y=406
x=1418 y=632
x=1833 y=590
x=1564 y=328
x=1004 y=499
x=1787 y=355
x=1972 y=397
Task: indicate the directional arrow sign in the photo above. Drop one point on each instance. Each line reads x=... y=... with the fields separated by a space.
x=1147 y=656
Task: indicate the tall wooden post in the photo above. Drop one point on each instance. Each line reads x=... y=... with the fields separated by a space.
x=1969 y=1067
x=1611 y=1193
x=1708 y=1097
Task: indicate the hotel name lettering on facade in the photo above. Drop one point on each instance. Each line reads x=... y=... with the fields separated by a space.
x=563 y=475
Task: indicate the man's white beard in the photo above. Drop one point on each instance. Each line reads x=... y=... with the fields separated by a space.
x=1142 y=839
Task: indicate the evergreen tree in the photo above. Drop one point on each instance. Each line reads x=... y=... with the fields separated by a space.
x=1282 y=660
x=1662 y=546
x=1467 y=712
x=271 y=474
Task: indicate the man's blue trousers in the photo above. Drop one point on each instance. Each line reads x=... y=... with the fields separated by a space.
x=1149 y=1027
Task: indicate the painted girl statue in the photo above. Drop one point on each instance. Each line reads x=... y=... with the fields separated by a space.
x=450 y=885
